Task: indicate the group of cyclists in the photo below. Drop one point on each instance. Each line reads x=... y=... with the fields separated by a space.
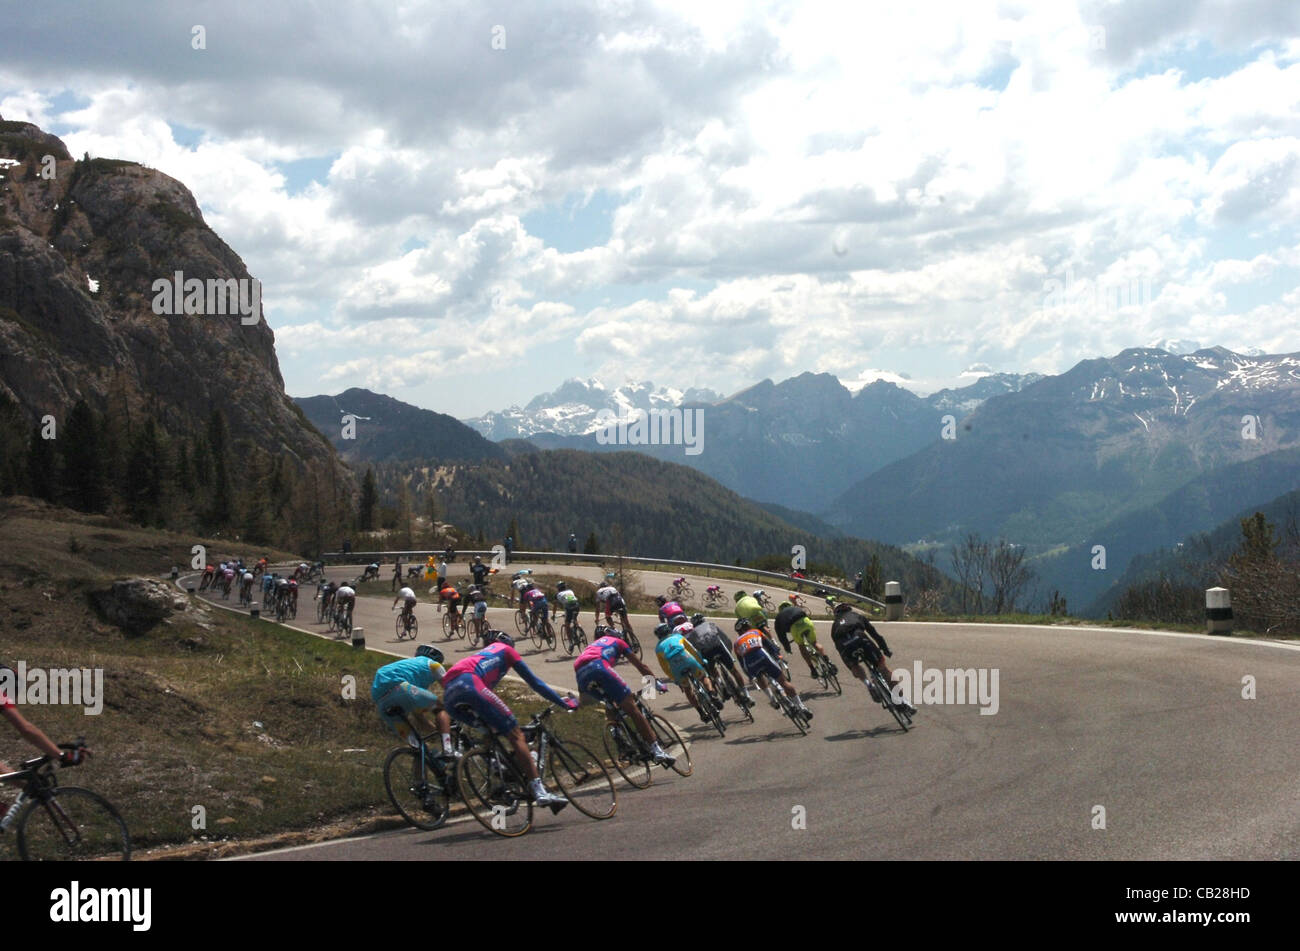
x=690 y=650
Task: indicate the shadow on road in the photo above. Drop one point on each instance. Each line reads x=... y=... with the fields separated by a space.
x=875 y=731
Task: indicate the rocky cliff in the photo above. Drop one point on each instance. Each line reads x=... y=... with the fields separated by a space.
x=82 y=243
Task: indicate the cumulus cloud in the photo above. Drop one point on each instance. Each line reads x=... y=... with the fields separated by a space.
x=914 y=193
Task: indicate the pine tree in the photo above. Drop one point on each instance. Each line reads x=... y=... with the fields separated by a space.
x=184 y=479
x=83 y=460
x=369 y=497
x=592 y=547
x=42 y=466
x=143 y=484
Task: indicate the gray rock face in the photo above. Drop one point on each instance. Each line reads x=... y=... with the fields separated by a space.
x=136 y=604
x=125 y=226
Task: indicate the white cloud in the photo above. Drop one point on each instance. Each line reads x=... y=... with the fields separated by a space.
x=803 y=186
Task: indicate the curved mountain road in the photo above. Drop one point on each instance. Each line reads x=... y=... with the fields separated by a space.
x=1150 y=727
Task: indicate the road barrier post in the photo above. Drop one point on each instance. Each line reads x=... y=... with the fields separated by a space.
x=1218 y=611
x=359 y=638
x=189 y=589
x=255 y=609
x=893 y=601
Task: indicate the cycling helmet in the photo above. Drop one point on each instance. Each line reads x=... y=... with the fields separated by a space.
x=685 y=628
x=757 y=592
x=842 y=606
x=697 y=619
x=739 y=595
x=609 y=576
x=791 y=598
x=429 y=651
x=660 y=600
x=562 y=586
x=504 y=638
x=477 y=559
x=742 y=625
x=662 y=631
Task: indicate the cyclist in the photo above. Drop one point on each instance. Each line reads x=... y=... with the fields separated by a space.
x=608 y=597
x=478 y=597
x=519 y=585
x=345 y=599
x=282 y=590
x=209 y=574
x=748 y=609
x=756 y=653
x=325 y=593
x=850 y=633
x=712 y=645
x=246 y=587
x=678 y=657
x=794 y=622
x=468 y=684
x=30 y=731
x=291 y=591
x=227 y=579
x=408 y=596
x=669 y=611
x=442 y=573
x=597 y=678
x=371 y=572
x=535 y=599
x=450 y=597
x=405 y=683
x=397 y=574
x=268 y=582
x=564 y=597
x=713 y=591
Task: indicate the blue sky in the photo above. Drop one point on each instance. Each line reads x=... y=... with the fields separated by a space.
x=706 y=194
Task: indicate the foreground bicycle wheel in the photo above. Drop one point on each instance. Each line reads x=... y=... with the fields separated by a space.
x=791 y=710
x=888 y=702
x=672 y=744
x=583 y=779
x=624 y=752
x=494 y=795
x=422 y=801
x=72 y=824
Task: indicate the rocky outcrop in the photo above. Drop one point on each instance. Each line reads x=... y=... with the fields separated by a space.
x=136 y=604
x=79 y=254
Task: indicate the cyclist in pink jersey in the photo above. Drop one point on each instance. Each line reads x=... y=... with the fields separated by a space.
x=468 y=685
x=596 y=678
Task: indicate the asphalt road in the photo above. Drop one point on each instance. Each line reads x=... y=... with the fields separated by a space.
x=1152 y=728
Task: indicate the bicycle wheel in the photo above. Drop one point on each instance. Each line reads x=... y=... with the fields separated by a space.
x=521 y=623
x=707 y=706
x=548 y=633
x=494 y=793
x=888 y=703
x=583 y=778
x=422 y=800
x=830 y=679
x=734 y=689
x=535 y=632
x=68 y=823
x=624 y=751
x=792 y=711
x=672 y=744
x=579 y=636
x=446 y=627
x=459 y=627
x=633 y=643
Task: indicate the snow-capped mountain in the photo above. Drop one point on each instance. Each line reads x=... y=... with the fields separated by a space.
x=575 y=408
